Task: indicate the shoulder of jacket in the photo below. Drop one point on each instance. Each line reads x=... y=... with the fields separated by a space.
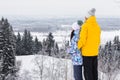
x=85 y=25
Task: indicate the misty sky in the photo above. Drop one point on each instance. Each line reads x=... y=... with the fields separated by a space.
x=59 y=7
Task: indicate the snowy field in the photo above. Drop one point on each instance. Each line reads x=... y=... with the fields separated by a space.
x=61 y=36
x=38 y=67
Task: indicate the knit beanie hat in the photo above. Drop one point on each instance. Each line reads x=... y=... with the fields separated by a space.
x=79 y=22
x=91 y=13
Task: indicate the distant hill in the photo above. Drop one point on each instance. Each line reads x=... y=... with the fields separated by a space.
x=37 y=24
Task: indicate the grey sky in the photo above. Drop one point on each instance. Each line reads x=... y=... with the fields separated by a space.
x=59 y=7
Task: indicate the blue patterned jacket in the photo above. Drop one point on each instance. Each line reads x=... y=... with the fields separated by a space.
x=73 y=50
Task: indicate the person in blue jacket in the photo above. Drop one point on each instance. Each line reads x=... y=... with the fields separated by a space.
x=75 y=52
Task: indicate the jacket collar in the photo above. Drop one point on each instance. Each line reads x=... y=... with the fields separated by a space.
x=91 y=19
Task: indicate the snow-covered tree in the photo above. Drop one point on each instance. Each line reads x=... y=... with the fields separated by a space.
x=7 y=51
x=109 y=58
x=18 y=44
x=27 y=43
x=1 y=47
x=50 y=44
x=37 y=46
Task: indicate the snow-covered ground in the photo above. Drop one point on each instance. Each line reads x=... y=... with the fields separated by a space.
x=61 y=36
x=34 y=67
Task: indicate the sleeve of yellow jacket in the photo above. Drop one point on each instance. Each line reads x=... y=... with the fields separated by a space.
x=82 y=36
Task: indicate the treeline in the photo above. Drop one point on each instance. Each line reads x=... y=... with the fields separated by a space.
x=26 y=45
x=109 y=57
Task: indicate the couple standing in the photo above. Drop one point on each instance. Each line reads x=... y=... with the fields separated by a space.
x=84 y=48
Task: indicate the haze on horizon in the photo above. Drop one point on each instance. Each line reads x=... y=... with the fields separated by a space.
x=59 y=7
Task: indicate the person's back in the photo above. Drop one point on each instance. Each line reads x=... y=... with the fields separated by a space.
x=92 y=43
x=76 y=54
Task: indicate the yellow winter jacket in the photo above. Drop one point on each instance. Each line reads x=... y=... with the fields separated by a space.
x=89 y=40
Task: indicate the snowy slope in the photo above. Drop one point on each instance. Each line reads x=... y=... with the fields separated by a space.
x=51 y=68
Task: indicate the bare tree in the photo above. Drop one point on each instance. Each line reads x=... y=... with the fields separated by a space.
x=40 y=66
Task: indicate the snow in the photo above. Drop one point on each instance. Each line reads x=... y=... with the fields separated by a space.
x=51 y=67
x=61 y=36
x=28 y=64
x=109 y=35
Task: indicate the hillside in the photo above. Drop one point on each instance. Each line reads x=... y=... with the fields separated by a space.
x=38 y=67
x=35 y=67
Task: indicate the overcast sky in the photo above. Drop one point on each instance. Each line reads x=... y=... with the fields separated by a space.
x=59 y=7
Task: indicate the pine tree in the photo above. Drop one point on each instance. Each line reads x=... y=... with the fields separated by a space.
x=50 y=43
x=37 y=46
x=109 y=45
x=27 y=43
x=30 y=43
x=44 y=47
x=1 y=48
x=40 y=45
x=116 y=42
x=109 y=59
x=24 y=43
x=18 y=44
x=7 y=50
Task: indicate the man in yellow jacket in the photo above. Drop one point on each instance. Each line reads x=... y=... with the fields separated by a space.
x=89 y=43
